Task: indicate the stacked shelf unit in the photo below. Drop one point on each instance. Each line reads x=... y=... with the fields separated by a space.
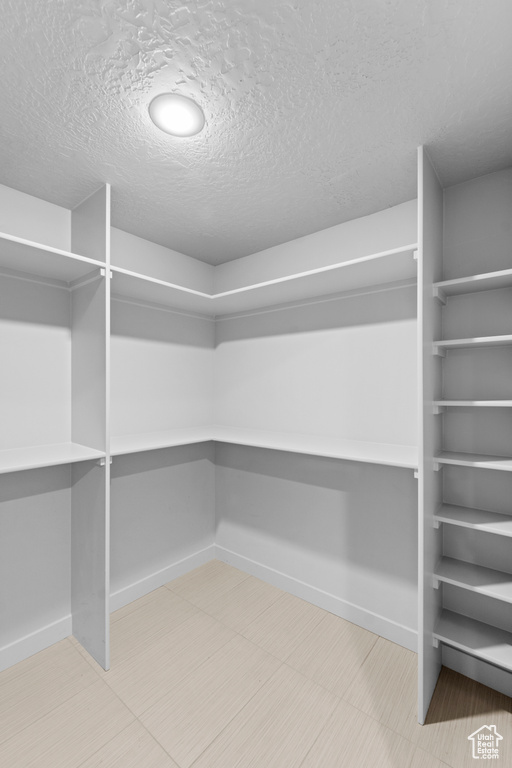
x=55 y=486
x=465 y=570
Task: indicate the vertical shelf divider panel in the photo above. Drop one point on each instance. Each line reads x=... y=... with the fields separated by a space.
x=430 y=237
x=90 y=226
x=90 y=524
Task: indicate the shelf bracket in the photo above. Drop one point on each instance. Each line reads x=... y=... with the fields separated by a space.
x=416 y=474
x=437 y=524
x=436 y=582
x=415 y=255
x=439 y=351
x=101 y=462
x=439 y=294
x=437 y=466
x=435 y=642
x=90 y=278
x=438 y=409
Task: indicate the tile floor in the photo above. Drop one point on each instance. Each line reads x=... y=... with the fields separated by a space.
x=220 y=670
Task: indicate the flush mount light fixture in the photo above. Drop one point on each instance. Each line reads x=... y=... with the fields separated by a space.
x=176 y=114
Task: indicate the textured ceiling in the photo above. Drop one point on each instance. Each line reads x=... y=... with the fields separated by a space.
x=314 y=109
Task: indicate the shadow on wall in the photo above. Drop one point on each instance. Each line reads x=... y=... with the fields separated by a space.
x=293 y=512
x=134 y=463
x=373 y=306
x=161 y=325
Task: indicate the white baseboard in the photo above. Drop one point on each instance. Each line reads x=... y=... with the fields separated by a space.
x=132 y=592
x=374 y=622
x=494 y=677
x=34 y=642
x=52 y=633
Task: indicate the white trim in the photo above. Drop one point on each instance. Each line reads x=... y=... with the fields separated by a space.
x=373 y=622
x=34 y=642
x=153 y=581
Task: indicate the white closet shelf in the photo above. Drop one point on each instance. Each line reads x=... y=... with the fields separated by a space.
x=53 y=454
x=405 y=456
x=477 y=519
x=483 y=460
x=480 y=341
x=475 y=578
x=389 y=266
x=476 y=638
x=487 y=281
x=30 y=258
x=473 y=403
x=152 y=441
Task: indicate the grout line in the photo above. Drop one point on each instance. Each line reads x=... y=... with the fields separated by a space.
x=239 y=711
x=64 y=701
x=108 y=742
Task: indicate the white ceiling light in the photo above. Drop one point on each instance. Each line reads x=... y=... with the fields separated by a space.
x=176 y=114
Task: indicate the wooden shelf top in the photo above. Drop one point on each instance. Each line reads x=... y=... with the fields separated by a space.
x=475 y=578
x=477 y=519
x=476 y=638
x=27 y=257
x=405 y=456
x=375 y=269
x=19 y=459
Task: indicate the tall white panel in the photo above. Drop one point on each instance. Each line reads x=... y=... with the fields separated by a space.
x=430 y=240
x=89 y=559
x=90 y=513
x=90 y=226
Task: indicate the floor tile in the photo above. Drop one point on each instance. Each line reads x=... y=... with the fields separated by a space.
x=150 y=621
x=459 y=707
x=135 y=604
x=385 y=687
x=188 y=718
x=353 y=740
x=332 y=653
x=422 y=759
x=281 y=628
x=243 y=603
x=87 y=656
x=36 y=686
x=276 y=728
x=207 y=583
x=141 y=680
x=70 y=733
x=132 y=748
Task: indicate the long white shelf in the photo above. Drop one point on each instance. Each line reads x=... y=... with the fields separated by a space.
x=475 y=578
x=476 y=638
x=30 y=258
x=53 y=454
x=152 y=441
x=376 y=269
x=405 y=456
x=476 y=519
x=479 y=341
x=503 y=463
x=473 y=403
x=486 y=281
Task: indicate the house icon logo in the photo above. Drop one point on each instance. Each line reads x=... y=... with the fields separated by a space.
x=486 y=743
